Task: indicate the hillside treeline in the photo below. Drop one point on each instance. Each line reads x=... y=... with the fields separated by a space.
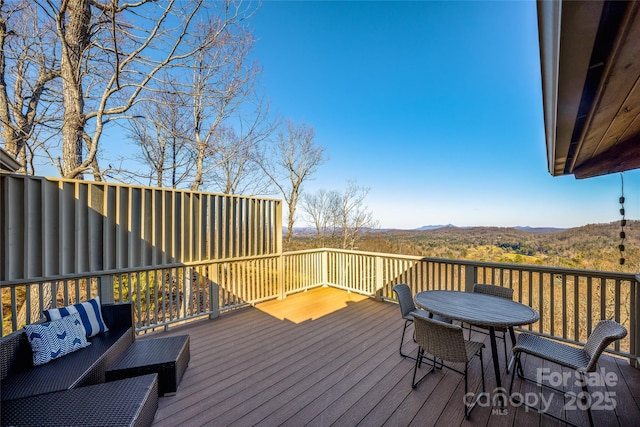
x=591 y=247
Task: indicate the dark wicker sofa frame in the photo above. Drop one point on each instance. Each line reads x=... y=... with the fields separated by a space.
x=128 y=402
x=25 y=386
x=83 y=367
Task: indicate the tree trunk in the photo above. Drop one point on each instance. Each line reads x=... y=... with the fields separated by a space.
x=293 y=200
x=75 y=40
x=13 y=144
x=200 y=155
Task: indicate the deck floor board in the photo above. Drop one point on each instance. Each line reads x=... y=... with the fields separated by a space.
x=326 y=357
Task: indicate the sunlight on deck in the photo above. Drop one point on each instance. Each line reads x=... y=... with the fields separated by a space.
x=327 y=301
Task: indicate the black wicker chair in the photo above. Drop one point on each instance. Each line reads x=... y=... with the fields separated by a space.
x=582 y=360
x=446 y=342
x=407 y=309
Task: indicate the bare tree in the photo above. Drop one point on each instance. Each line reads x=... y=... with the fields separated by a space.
x=353 y=216
x=203 y=108
x=290 y=162
x=111 y=52
x=27 y=69
x=99 y=58
x=235 y=160
x=320 y=209
x=160 y=129
x=222 y=80
x=236 y=170
x=337 y=214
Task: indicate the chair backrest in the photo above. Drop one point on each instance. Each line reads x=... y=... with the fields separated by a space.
x=405 y=299
x=495 y=290
x=442 y=340
x=605 y=332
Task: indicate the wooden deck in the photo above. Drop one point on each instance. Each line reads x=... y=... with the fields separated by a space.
x=330 y=358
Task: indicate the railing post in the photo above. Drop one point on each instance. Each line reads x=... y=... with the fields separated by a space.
x=635 y=324
x=214 y=292
x=278 y=248
x=105 y=290
x=325 y=268
x=379 y=278
x=280 y=269
x=470 y=277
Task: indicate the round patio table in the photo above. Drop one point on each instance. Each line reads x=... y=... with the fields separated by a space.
x=479 y=309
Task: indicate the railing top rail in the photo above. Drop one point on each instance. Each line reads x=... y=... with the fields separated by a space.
x=86 y=275
x=523 y=267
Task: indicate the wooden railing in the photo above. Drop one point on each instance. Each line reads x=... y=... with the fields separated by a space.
x=570 y=302
x=179 y=255
x=161 y=296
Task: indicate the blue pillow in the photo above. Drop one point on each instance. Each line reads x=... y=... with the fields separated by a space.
x=54 y=339
x=89 y=312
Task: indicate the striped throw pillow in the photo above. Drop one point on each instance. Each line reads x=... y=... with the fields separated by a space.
x=50 y=340
x=90 y=314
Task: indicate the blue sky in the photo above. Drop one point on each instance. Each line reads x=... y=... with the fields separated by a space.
x=434 y=106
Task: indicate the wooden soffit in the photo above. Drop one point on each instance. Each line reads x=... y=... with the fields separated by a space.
x=590 y=65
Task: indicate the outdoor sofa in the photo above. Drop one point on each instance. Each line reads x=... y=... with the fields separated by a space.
x=71 y=390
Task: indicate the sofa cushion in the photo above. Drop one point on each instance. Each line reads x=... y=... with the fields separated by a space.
x=89 y=311
x=50 y=340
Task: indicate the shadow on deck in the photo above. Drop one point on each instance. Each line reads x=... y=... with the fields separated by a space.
x=327 y=357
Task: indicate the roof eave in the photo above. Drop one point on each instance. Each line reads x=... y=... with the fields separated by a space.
x=567 y=33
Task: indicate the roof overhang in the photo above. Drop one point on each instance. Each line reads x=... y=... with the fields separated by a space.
x=590 y=65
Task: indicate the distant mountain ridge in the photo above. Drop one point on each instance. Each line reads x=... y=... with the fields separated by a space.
x=587 y=247
x=526 y=229
x=519 y=228
x=540 y=229
x=434 y=227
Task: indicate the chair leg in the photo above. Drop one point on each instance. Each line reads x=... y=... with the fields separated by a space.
x=415 y=368
x=586 y=393
x=506 y=356
x=520 y=370
x=406 y=325
x=482 y=370
x=516 y=369
x=510 y=363
x=408 y=356
x=466 y=385
x=415 y=383
x=468 y=409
